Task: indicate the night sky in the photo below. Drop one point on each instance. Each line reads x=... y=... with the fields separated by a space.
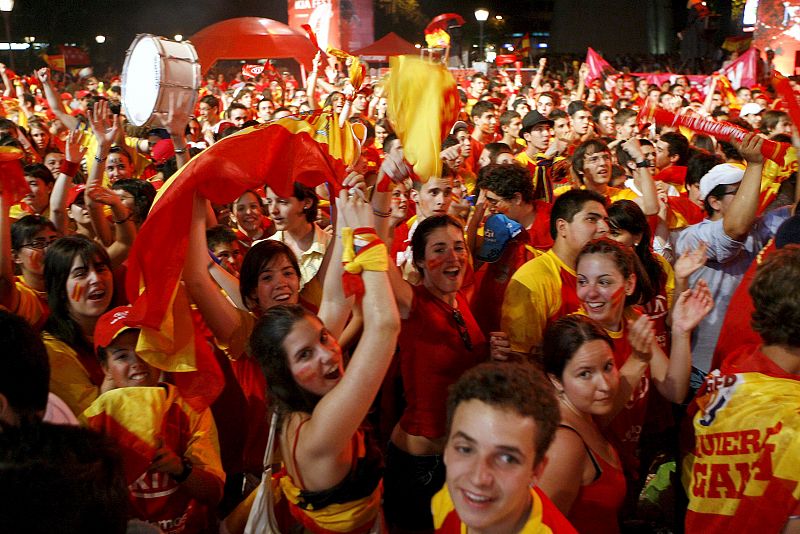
x=120 y=20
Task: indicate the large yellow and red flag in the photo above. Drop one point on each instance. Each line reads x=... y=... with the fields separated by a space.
x=310 y=149
x=423 y=106
x=742 y=473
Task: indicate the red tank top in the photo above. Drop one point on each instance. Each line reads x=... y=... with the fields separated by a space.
x=597 y=505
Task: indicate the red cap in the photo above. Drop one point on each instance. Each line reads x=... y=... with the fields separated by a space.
x=162 y=151
x=82 y=94
x=66 y=96
x=74 y=193
x=110 y=325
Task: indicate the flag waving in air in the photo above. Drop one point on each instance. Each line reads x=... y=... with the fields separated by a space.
x=310 y=149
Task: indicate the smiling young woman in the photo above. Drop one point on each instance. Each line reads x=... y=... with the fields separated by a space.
x=80 y=288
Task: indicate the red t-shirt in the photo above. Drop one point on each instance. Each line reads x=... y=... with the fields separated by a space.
x=432 y=357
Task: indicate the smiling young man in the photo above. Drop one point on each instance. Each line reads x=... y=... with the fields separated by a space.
x=501 y=419
x=544 y=289
x=733 y=235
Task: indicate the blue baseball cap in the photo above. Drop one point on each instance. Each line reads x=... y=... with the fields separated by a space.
x=497 y=232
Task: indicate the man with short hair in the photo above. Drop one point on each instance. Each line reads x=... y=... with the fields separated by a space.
x=546 y=102
x=741 y=473
x=561 y=125
x=484 y=119
x=581 y=121
x=237 y=113
x=501 y=420
x=510 y=124
x=672 y=151
x=517 y=230
x=477 y=86
x=625 y=124
x=603 y=117
x=544 y=289
x=223 y=244
x=732 y=235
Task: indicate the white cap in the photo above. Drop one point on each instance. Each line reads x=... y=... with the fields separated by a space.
x=751 y=108
x=724 y=174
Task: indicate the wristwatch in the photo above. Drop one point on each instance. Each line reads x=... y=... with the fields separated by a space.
x=642 y=164
x=187 y=470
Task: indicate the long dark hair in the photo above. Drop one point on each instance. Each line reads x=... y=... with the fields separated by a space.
x=627 y=262
x=266 y=346
x=627 y=215
x=563 y=338
x=57 y=265
x=259 y=255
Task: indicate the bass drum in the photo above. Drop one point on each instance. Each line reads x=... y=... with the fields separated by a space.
x=158 y=71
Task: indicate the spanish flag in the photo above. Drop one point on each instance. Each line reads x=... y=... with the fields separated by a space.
x=424 y=105
x=55 y=62
x=742 y=472
x=309 y=148
x=438 y=39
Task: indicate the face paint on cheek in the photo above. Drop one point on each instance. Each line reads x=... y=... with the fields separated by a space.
x=304 y=373
x=433 y=263
x=77 y=293
x=36 y=260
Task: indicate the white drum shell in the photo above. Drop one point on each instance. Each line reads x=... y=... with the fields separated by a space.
x=156 y=72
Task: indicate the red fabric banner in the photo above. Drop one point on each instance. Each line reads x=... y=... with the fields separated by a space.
x=310 y=149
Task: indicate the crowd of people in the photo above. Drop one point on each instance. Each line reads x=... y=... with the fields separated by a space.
x=583 y=324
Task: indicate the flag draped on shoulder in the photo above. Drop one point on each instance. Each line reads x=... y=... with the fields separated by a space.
x=310 y=148
x=424 y=104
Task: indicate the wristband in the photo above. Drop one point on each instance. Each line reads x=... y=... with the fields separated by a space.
x=70 y=168
x=381 y=214
x=180 y=151
x=100 y=159
x=362 y=250
x=643 y=164
x=126 y=219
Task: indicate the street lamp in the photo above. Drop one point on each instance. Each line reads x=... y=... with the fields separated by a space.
x=481 y=15
x=100 y=39
x=6 y=6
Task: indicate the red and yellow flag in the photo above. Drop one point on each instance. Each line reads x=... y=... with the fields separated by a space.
x=424 y=104
x=743 y=472
x=438 y=39
x=310 y=149
x=55 y=62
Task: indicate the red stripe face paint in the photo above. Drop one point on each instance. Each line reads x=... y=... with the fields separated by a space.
x=77 y=293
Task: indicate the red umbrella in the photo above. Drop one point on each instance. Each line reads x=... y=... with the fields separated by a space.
x=444 y=22
x=251 y=38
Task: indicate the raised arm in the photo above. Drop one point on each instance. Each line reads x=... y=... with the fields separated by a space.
x=105 y=127
x=340 y=412
x=219 y=314
x=671 y=375
x=649 y=200
x=393 y=168
x=536 y=83
x=54 y=101
x=334 y=309
x=311 y=82
x=741 y=214
x=124 y=227
x=74 y=152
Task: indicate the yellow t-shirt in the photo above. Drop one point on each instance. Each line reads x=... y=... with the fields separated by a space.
x=542 y=289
